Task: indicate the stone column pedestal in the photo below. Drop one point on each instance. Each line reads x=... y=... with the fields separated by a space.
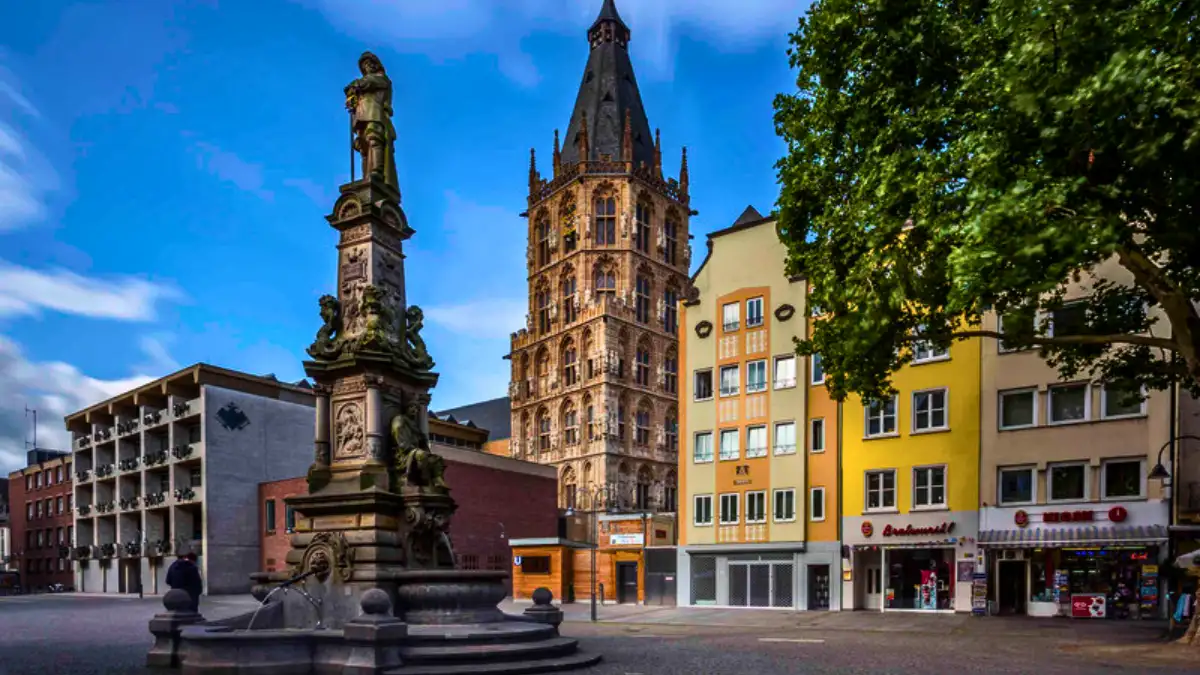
x=374 y=638
x=167 y=626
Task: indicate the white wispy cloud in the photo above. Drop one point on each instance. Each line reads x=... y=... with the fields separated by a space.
x=230 y=168
x=54 y=389
x=26 y=291
x=486 y=319
x=25 y=176
x=451 y=29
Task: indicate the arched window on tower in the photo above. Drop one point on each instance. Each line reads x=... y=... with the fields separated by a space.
x=542 y=370
x=669 y=494
x=670 y=310
x=589 y=418
x=641 y=373
x=543 y=240
x=642 y=496
x=570 y=363
x=568 y=298
x=671 y=371
x=606 y=284
x=642 y=299
x=543 y=430
x=641 y=235
x=542 y=297
x=605 y=230
x=670 y=240
x=569 y=487
x=671 y=430
x=642 y=436
x=570 y=421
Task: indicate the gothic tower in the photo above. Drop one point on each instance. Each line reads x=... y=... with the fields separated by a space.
x=595 y=371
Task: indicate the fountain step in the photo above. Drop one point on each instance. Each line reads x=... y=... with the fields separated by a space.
x=470 y=653
x=550 y=665
x=479 y=633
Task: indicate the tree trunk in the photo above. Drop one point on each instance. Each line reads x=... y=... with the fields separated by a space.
x=1189 y=638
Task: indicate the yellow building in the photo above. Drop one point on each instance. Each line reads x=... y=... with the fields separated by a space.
x=746 y=504
x=910 y=485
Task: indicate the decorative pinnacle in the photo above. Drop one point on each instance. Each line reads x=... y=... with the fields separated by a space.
x=683 y=173
x=657 y=153
x=627 y=138
x=557 y=158
x=533 y=172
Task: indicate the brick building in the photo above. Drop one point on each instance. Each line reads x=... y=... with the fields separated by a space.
x=595 y=369
x=499 y=498
x=40 y=498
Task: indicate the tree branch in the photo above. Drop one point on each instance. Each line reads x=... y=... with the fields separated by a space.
x=1113 y=339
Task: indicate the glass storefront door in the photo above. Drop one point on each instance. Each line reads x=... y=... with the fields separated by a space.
x=760 y=583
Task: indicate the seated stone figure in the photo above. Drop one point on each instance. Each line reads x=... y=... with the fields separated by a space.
x=413 y=461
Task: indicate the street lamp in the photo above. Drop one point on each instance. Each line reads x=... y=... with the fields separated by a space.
x=1159 y=472
x=595 y=496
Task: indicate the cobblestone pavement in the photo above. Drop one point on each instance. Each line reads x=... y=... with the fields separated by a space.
x=89 y=635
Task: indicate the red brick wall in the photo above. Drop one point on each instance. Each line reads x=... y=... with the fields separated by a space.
x=39 y=565
x=491 y=503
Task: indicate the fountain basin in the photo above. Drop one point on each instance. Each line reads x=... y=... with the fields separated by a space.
x=443 y=597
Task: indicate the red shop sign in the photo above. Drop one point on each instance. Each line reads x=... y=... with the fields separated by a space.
x=867 y=529
x=909 y=530
x=1118 y=514
x=1068 y=516
x=1021 y=518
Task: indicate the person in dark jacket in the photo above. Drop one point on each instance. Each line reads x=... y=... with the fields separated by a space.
x=184 y=574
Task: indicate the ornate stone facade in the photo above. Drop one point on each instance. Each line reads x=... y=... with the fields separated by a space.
x=595 y=371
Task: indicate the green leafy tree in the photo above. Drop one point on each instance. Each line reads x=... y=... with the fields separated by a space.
x=949 y=158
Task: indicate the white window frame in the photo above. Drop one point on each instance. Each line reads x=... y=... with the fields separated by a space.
x=1104 y=406
x=759 y=494
x=696 y=510
x=761 y=317
x=1087 y=482
x=1031 y=470
x=1140 y=461
x=867 y=492
x=737 y=445
x=775 y=495
x=732 y=498
x=736 y=368
x=728 y=326
x=1000 y=343
x=784 y=383
x=765 y=381
x=1087 y=402
x=761 y=452
x=812 y=501
x=696 y=459
x=713 y=385
x=933 y=355
x=895 y=420
x=945 y=488
x=1000 y=407
x=812 y=435
x=780 y=449
x=813 y=362
x=945 y=411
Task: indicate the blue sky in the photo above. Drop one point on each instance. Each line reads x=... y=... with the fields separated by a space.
x=165 y=170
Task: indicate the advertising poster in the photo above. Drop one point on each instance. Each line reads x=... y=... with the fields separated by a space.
x=1088 y=606
x=1148 y=590
x=979 y=595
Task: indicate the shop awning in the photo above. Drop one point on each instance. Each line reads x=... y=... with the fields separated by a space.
x=1075 y=536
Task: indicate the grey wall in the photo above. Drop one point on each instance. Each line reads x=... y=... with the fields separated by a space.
x=276 y=442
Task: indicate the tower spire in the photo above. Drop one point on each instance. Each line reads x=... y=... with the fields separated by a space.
x=683 y=174
x=534 y=178
x=556 y=159
x=657 y=154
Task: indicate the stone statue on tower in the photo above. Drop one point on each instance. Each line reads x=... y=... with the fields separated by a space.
x=369 y=100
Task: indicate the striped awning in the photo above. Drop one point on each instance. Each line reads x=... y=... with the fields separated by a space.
x=1094 y=535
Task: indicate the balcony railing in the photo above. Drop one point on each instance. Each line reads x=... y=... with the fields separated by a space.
x=156 y=498
x=105 y=507
x=184 y=494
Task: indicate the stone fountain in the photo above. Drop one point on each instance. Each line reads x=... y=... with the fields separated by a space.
x=371 y=584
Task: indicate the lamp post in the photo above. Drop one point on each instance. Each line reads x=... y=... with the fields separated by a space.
x=596 y=497
x=1160 y=473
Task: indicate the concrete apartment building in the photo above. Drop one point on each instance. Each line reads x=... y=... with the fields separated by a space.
x=1067 y=510
x=174 y=466
x=748 y=501
x=41 y=520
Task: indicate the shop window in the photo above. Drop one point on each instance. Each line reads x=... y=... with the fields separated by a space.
x=881 y=490
x=703 y=510
x=816 y=370
x=785 y=372
x=729 y=317
x=785 y=438
x=756 y=376
x=929 y=410
x=729 y=380
x=537 y=564
x=785 y=505
x=929 y=487
x=816 y=435
x=816 y=504
x=1121 y=478
x=729 y=444
x=1018 y=408
x=702 y=448
x=1121 y=402
x=756 y=507
x=754 y=312
x=729 y=509
x=881 y=418
x=1069 y=403
x=702 y=389
x=1067 y=482
x=756 y=442
x=920 y=579
x=1016 y=485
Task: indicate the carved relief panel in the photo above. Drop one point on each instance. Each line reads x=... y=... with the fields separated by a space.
x=349 y=429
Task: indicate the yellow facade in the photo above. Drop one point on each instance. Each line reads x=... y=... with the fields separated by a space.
x=823 y=450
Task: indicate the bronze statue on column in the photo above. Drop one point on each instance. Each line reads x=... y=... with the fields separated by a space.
x=369 y=100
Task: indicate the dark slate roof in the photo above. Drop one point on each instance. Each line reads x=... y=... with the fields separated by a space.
x=494 y=415
x=607 y=91
x=750 y=215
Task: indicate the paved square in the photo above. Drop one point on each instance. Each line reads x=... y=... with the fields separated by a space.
x=92 y=635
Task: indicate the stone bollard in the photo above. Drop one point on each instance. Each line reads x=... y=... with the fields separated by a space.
x=543 y=610
x=374 y=638
x=167 y=626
